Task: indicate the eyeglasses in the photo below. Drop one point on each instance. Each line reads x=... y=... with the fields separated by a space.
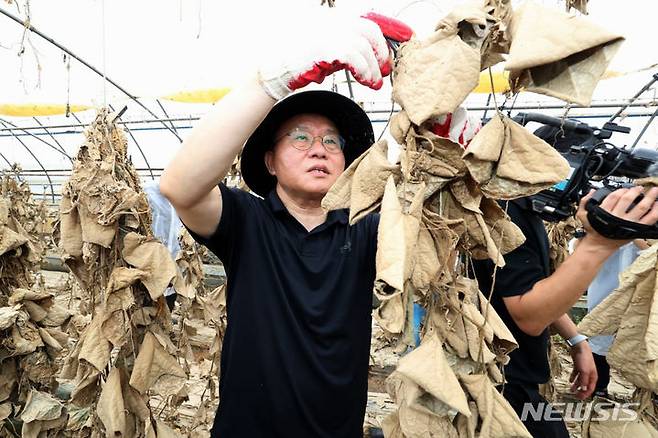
x=303 y=140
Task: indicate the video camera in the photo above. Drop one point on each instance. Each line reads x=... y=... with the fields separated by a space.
x=595 y=163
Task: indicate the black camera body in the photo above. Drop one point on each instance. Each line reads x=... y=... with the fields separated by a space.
x=595 y=163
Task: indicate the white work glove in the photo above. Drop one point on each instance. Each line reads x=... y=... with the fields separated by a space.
x=459 y=126
x=323 y=42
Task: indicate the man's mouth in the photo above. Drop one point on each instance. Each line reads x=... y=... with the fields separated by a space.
x=319 y=170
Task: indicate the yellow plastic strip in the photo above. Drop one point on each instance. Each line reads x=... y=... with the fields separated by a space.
x=500 y=82
x=37 y=109
x=210 y=95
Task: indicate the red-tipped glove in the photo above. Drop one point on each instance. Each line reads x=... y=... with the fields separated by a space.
x=327 y=42
x=459 y=126
x=392 y=28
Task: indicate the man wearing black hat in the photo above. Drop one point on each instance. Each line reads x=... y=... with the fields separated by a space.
x=295 y=354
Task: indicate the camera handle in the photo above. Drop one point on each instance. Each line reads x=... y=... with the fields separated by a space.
x=613 y=227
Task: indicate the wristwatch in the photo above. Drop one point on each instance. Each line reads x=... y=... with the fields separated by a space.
x=572 y=342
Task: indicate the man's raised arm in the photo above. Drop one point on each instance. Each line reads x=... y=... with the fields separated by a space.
x=190 y=180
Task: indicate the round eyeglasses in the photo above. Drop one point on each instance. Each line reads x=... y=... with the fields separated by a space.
x=303 y=140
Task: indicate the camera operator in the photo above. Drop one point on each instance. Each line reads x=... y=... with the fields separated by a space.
x=530 y=299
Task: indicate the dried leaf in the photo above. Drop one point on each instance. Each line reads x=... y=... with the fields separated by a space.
x=394 y=262
x=510 y=162
x=94 y=347
x=631 y=313
x=556 y=54
x=434 y=76
x=427 y=367
x=41 y=406
x=498 y=417
x=5 y=410
x=155 y=369
x=70 y=228
x=8 y=378
x=10 y=240
x=152 y=257
x=8 y=316
x=110 y=407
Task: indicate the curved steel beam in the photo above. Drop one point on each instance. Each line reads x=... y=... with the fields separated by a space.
x=18 y=128
x=173 y=126
x=52 y=189
x=61 y=148
x=77 y=118
x=138 y=147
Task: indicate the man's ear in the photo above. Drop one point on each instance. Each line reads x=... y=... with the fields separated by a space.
x=269 y=162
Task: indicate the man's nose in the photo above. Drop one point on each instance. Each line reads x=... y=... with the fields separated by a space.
x=318 y=151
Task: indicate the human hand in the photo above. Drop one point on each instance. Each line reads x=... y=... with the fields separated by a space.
x=326 y=42
x=618 y=203
x=584 y=375
x=459 y=126
x=641 y=244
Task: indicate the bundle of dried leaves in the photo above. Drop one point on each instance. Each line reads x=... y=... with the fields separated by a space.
x=630 y=314
x=438 y=209
x=30 y=321
x=201 y=325
x=549 y=52
x=125 y=355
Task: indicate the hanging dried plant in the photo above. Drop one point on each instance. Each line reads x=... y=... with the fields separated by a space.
x=31 y=338
x=125 y=356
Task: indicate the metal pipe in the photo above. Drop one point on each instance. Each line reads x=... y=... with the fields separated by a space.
x=120 y=122
x=76 y=132
x=141 y=152
x=166 y=115
x=576 y=116
x=134 y=139
x=61 y=148
x=593 y=116
x=349 y=84
x=643 y=104
x=52 y=190
x=645 y=127
x=648 y=85
x=6 y=122
x=7 y=161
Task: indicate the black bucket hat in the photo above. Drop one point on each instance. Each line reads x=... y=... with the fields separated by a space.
x=352 y=122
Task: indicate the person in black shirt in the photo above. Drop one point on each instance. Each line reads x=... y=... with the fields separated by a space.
x=295 y=354
x=529 y=299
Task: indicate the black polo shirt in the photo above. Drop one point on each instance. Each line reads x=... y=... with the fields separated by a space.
x=524 y=267
x=295 y=356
